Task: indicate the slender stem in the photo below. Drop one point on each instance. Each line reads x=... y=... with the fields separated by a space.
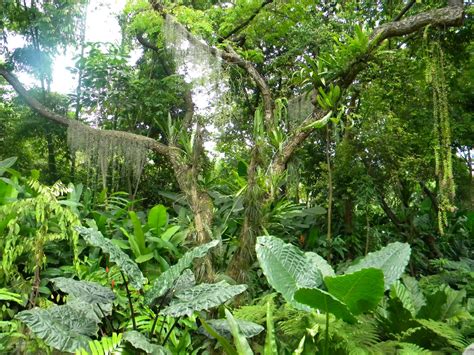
x=160 y=306
x=367 y=229
x=329 y=215
x=326 y=340
x=154 y=324
x=162 y=326
x=129 y=296
x=107 y=320
x=171 y=329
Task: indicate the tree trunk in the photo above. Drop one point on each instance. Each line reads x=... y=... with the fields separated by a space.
x=244 y=257
x=202 y=207
x=52 y=167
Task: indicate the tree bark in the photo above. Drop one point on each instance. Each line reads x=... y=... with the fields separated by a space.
x=244 y=256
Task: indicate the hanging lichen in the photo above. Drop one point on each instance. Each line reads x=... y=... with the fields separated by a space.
x=299 y=108
x=199 y=63
x=442 y=135
x=103 y=147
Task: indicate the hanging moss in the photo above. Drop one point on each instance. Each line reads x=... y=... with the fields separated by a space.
x=442 y=135
x=103 y=147
x=193 y=59
x=299 y=108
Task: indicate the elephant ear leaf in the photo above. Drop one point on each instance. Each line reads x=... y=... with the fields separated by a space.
x=202 y=297
x=222 y=327
x=324 y=268
x=241 y=343
x=286 y=267
x=168 y=278
x=361 y=291
x=324 y=301
x=62 y=327
x=391 y=259
x=90 y=292
x=139 y=341
x=116 y=255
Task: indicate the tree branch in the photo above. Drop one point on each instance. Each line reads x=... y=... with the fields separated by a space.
x=405 y=10
x=247 y=21
x=232 y=57
x=188 y=99
x=146 y=43
x=447 y=16
x=64 y=121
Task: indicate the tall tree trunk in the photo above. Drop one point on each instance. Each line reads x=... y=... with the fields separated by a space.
x=244 y=256
x=201 y=205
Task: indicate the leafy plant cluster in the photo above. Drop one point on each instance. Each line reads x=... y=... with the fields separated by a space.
x=368 y=306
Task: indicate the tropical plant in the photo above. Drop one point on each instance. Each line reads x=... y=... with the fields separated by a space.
x=174 y=290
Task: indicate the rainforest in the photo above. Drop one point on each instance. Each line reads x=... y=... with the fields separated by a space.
x=236 y=177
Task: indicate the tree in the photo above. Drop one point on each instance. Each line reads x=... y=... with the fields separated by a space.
x=330 y=87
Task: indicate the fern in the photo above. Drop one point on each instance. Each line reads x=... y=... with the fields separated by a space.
x=32 y=223
x=354 y=339
x=104 y=346
x=443 y=330
x=256 y=313
x=397 y=347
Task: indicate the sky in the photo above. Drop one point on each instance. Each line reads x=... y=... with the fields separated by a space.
x=101 y=26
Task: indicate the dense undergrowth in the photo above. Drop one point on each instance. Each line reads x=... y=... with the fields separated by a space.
x=93 y=274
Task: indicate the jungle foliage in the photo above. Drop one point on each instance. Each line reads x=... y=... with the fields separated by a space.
x=269 y=177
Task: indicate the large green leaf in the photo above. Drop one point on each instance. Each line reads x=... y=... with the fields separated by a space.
x=61 y=327
x=222 y=327
x=433 y=308
x=391 y=259
x=270 y=347
x=361 y=291
x=229 y=350
x=116 y=255
x=139 y=341
x=167 y=279
x=157 y=218
x=138 y=233
x=202 y=297
x=90 y=292
x=286 y=267
x=321 y=264
x=6 y=164
x=409 y=295
x=241 y=343
x=324 y=301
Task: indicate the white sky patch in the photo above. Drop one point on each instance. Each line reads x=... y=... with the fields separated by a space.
x=101 y=26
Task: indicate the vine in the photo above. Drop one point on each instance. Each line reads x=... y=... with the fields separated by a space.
x=435 y=76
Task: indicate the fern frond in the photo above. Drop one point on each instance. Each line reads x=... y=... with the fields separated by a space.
x=257 y=313
x=359 y=338
x=104 y=346
x=396 y=347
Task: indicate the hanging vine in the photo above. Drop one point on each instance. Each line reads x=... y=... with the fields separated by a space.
x=435 y=76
